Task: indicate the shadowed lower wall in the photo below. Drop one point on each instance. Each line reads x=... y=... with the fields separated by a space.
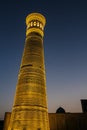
x=66 y=121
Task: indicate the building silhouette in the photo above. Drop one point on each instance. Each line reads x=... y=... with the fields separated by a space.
x=84 y=105
x=1 y=124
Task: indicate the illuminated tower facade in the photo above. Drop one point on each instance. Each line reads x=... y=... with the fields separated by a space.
x=30 y=104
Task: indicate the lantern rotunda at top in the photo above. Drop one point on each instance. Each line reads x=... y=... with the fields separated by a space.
x=35 y=23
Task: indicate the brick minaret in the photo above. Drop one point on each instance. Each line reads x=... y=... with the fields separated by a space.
x=30 y=104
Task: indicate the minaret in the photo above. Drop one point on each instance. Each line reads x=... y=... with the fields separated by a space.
x=30 y=104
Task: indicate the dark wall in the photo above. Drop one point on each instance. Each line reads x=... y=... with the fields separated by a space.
x=68 y=121
x=1 y=124
x=84 y=105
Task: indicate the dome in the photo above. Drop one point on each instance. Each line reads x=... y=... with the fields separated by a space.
x=60 y=110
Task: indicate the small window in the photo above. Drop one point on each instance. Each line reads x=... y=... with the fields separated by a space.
x=40 y=66
x=39 y=129
x=41 y=26
x=34 y=23
x=38 y=24
x=30 y=65
x=24 y=128
x=31 y=24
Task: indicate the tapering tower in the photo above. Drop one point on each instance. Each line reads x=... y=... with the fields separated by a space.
x=30 y=105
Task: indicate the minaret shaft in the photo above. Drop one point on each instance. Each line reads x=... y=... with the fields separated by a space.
x=30 y=105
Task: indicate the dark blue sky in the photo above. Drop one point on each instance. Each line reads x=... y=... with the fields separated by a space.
x=65 y=46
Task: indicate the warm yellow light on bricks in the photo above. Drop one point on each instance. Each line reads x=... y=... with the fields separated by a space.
x=35 y=23
x=30 y=104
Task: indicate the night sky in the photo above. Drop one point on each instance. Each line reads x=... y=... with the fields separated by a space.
x=65 y=47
